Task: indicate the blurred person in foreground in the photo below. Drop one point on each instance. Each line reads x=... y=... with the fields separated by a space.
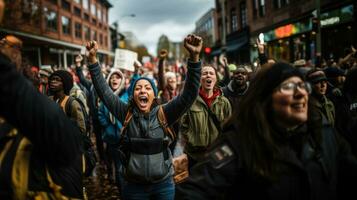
x=40 y=153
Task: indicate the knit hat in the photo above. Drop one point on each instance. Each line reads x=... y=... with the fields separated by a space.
x=315 y=75
x=67 y=80
x=332 y=72
x=152 y=83
x=277 y=74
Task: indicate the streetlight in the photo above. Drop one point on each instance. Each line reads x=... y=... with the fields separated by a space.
x=116 y=23
x=119 y=37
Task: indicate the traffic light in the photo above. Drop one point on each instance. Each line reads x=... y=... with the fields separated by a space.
x=208 y=50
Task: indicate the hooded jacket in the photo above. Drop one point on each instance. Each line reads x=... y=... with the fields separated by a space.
x=145 y=128
x=110 y=124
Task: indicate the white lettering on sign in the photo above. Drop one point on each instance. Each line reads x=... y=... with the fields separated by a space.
x=330 y=21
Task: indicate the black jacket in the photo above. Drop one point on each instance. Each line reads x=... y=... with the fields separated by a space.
x=329 y=174
x=55 y=139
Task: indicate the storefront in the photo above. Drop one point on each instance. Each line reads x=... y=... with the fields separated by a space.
x=297 y=40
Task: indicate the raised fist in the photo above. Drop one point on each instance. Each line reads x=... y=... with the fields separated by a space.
x=163 y=54
x=92 y=48
x=193 y=45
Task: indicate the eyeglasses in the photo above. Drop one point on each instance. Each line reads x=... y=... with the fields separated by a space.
x=290 y=87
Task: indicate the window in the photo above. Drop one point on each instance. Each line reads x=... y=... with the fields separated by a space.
x=243 y=15
x=104 y=16
x=85 y=4
x=99 y=14
x=100 y=39
x=105 y=40
x=66 y=25
x=78 y=30
x=77 y=1
x=280 y=3
x=86 y=33
x=93 y=9
x=51 y=19
x=77 y=12
x=94 y=35
x=66 y=5
x=94 y=21
x=234 y=20
x=86 y=17
x=258 y=7
x=255 y=8
x=261 y=8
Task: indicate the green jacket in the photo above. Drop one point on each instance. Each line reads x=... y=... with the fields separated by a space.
x=324 y=107
x=198 y=128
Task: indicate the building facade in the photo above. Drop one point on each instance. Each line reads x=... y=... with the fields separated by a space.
x=290 y=28
x=233 y=30
x=55 y=31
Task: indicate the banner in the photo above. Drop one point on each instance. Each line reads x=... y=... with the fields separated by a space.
x=124 y=59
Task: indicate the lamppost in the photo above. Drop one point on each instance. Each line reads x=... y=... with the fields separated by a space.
x=116 y=25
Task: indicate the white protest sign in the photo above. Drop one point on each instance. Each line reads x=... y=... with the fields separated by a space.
x=124 y=59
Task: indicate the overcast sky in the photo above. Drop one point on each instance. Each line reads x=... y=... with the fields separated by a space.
x=174 y=18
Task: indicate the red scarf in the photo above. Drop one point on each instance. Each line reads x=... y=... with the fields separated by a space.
x=209 y=100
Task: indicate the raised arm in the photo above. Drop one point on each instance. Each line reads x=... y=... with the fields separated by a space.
x=161 y=66
x=110 y=100
x=38 y=118
x=261 y=53
x=227 y=74
x=87 y=84
x=179 y=105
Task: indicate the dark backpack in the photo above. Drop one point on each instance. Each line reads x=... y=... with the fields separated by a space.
x=88 y=147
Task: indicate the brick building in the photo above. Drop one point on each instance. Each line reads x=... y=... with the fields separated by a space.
x=236 y=32
x=54 y=31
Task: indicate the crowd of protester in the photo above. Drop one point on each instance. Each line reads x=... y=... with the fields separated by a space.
x=277 y=130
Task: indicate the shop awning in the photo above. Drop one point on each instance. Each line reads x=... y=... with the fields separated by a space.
x=232 y=46
x=53 y=41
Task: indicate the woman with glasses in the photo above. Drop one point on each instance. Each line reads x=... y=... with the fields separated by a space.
x=271 y=150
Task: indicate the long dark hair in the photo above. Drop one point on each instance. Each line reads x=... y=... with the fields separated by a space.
x=258 y=144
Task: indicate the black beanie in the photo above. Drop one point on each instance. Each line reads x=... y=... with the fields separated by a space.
x=67 y=80
x=277 y=74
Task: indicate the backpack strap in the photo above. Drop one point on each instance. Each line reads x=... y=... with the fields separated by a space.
x=128 y=117
x=163 y=121
x=64 y=104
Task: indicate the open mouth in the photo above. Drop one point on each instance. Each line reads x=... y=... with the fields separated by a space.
x=299 y=106
x=143 y=100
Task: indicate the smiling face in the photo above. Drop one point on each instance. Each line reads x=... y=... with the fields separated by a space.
x=208 y=78
x=143 y=95
x=114 y=81
x=290 y=110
